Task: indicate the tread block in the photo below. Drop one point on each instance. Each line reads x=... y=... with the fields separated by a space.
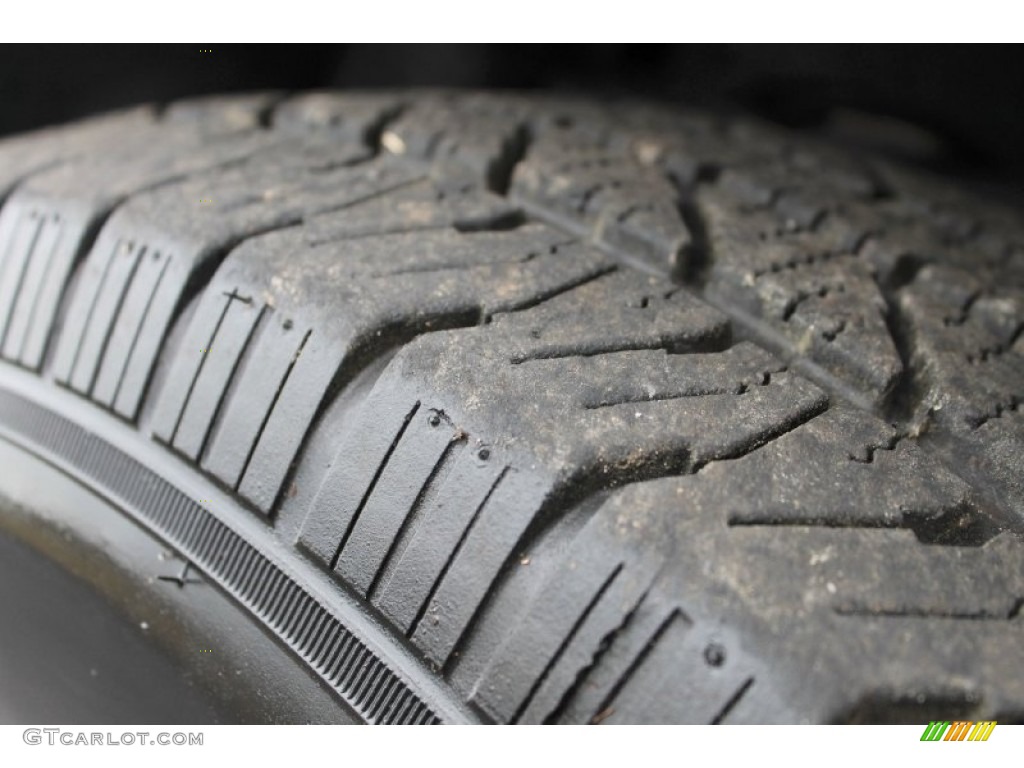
x=138 y=303
x=641 y=405
x=867 y=589
x=221 y=114
x=537 y=645
x=588 y=599
x=287 y=422
x=849 y=447
x=344 y=299
x=640 y=314
x=420 y=205
x=16 y=326
x=207 y=232
x=401 y=486
x=353 y=116
x=996 y=447
x=965 y=340
x=606 y=417
x=41 y=239
x=258 y=385
x=349 y=481
x=21 y=156
x=219 y=364
x=149 y=330
x=118 y=274
x=879 y=573
x=809 y=286
x=404 y=590
x=106 y=180
x=464 y=139
x=80 y=194
x=454 y=582
x=612 y=200
x=590 y=701
x=676 y=683
x=189 y=362
x=20 y=239
x=476 y=564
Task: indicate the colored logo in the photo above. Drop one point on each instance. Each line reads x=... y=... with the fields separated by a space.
x=960 y=730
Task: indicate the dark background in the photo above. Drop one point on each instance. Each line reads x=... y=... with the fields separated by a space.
x=957 y=109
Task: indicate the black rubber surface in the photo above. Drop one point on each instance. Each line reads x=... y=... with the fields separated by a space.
x=495 y=408
x=109 y=625
x=104 y=668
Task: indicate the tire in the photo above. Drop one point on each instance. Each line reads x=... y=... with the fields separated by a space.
x=490 y=408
